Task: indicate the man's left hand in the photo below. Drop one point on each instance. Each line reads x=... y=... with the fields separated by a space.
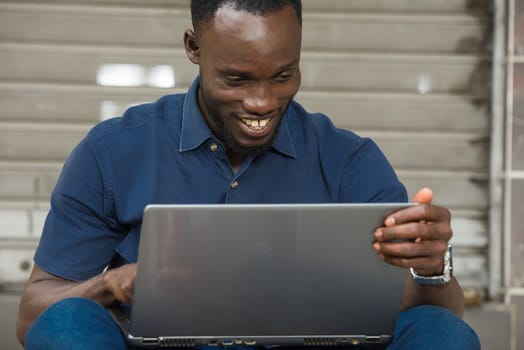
x=416 y=236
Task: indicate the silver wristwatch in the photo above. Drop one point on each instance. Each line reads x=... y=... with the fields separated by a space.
x=437 y=280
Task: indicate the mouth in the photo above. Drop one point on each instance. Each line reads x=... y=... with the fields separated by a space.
x=256 y=124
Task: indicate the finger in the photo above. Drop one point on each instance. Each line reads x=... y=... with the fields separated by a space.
x=127 y=291
x=121 y=282
x=426 y=259
x=418 y=213
x=414 y=231
x=423 y=196
x=404 y=250
x=399 y=233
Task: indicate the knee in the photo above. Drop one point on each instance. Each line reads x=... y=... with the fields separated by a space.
x=69 y=323
x=435 y=327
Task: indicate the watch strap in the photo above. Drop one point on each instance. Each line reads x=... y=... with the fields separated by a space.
x=446 y=276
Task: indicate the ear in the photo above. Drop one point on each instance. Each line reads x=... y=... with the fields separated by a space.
x=192 y=46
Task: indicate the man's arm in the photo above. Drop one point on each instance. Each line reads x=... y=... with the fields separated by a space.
x=44 y=289
x=449 y=296
x=424 y=232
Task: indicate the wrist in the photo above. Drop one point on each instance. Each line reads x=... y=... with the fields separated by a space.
x=106 y=295
x=440 y=279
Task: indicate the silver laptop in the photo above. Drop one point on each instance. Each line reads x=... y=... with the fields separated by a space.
x=281 y=274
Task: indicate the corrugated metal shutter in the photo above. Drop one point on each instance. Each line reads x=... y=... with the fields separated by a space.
x=411 y=74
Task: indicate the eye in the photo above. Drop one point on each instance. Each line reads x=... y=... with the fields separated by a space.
x=284 y=76
x=236 y=80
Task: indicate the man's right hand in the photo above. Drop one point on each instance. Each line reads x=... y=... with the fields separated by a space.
x=121 y=282
x=44 y=289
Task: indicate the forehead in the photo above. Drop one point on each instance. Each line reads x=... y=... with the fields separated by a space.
x=238 y=32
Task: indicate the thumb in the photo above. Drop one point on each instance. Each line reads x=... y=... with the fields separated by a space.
x=423 y=196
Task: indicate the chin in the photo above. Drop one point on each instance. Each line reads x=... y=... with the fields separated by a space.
x=249 y=148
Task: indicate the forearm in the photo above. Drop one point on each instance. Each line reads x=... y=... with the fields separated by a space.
x=449 y=295
x=40 y=294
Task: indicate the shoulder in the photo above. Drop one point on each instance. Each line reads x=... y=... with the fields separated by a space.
x=319 y=130
x=354 y=162
x=166 y=109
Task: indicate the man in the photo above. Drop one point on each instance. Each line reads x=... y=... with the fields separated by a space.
x=235 y=137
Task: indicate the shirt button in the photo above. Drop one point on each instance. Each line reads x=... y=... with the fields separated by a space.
x=234 y=184
x=213 y=147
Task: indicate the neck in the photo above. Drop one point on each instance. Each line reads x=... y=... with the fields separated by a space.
x=235 y=160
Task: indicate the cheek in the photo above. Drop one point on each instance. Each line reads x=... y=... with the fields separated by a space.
x=221 y=105
x=294 y=85
x=286 y=92
x=223 y=101
x=216 y=96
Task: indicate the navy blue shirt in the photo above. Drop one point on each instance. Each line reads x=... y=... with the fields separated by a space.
x=164 y=152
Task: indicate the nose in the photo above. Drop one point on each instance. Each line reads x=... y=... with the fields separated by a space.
x=260 y=99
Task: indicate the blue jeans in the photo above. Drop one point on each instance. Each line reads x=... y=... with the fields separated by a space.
x=83 y=324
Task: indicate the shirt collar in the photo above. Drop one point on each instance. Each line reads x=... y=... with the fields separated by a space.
x=195 y=130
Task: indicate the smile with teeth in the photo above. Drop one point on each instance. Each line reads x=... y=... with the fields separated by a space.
x=258 y=124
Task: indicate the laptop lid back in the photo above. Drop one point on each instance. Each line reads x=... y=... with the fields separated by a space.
x=264 y=274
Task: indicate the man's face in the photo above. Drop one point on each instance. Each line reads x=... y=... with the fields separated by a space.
x=249 y=72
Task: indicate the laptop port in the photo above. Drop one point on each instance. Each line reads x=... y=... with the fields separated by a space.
x=227 y=342
x=373 y=339
x=250 y=342
x=212 y=342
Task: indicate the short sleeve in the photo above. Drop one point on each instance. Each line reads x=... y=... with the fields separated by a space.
x=80 y=234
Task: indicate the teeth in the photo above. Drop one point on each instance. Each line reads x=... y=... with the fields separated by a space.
x=256 y=124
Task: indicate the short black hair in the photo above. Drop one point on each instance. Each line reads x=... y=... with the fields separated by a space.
x=203 y=11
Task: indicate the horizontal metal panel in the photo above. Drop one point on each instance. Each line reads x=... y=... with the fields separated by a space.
x=21 y=223
x=87 y=65
x=26 y=219
x=94 y=25
x=410 y=6
x=14 y=223
x=42 y=142
x=335 y=71
x=395 y=33
x=70 y=103
x=455 y=190
x=47 y=142
x=470 y=232
x=424 y=150
x=471 y=270
x=24 y=205
x=422 y=74
x=165 y=27
x=27 y=181
x=24 y=222
x=349 y=110
x=15 y=265
x=406 y=112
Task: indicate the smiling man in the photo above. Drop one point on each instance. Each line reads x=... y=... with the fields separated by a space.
x=236 y=136
x=249 y=72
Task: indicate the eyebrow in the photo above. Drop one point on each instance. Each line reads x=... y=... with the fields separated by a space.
x=230 y=71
